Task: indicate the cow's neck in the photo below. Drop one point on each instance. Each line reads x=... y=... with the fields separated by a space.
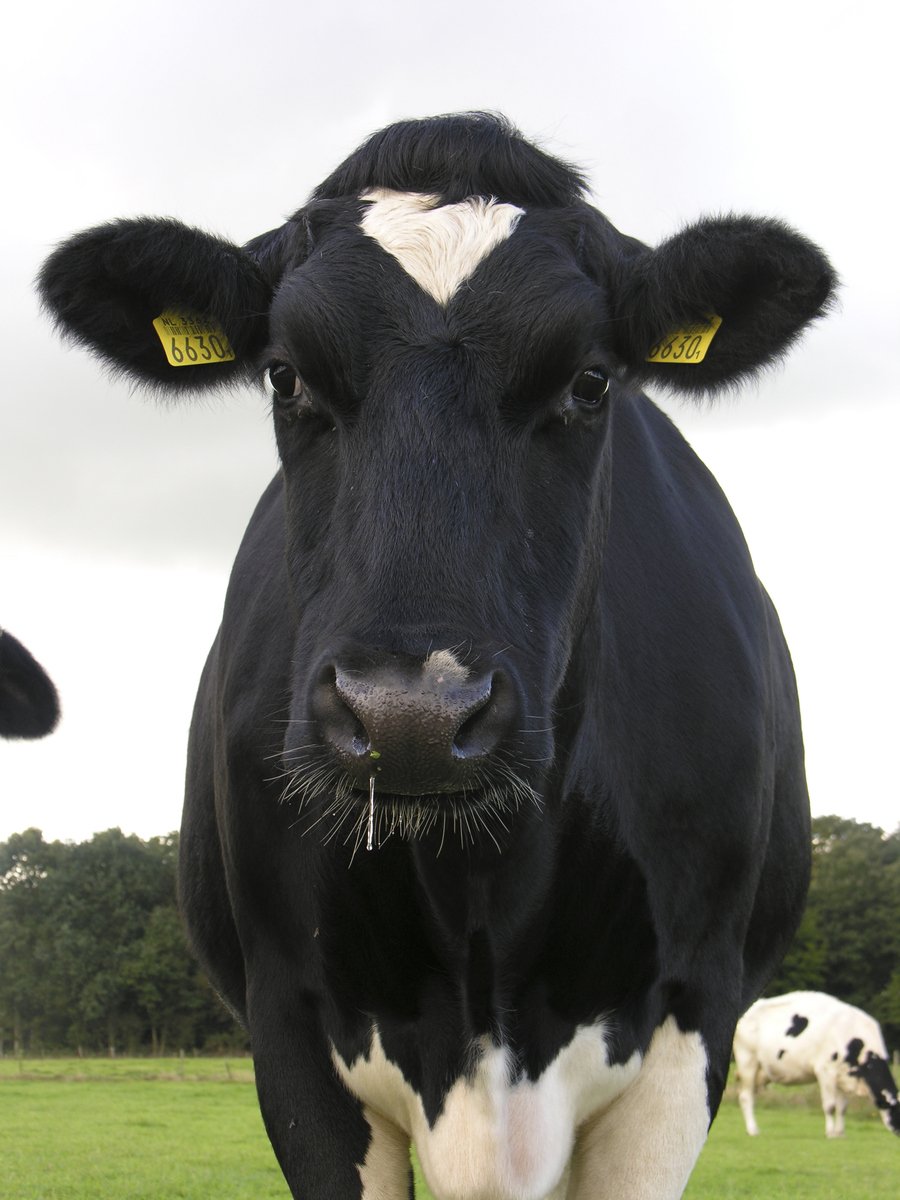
x=467 y=890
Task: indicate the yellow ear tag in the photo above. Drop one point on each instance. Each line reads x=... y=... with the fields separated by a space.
x=685 y=345
x=192 y=341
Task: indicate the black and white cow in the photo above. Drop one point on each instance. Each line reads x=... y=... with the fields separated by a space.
x=29 y=704
x=495 y=623
x=806 y=1036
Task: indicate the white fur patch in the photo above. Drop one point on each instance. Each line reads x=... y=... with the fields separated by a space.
x=498 y=1137
x=439 y=245
x=444 y=667
x=645 y=1145
x=385 y=1172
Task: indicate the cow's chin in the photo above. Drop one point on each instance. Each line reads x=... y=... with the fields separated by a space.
x=334 y=808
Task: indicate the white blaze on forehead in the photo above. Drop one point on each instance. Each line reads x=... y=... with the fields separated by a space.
x=439 y=245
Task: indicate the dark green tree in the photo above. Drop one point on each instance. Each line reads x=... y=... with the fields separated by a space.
x=92 y=953
x=849 y=941
x=855 y=893
x=27 y=862
x=167 y=989
x=104 y=897
x=805 y=967
x=887 y=1005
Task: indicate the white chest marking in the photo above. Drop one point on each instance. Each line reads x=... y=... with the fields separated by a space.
x=497 y=1138
x=439 y=245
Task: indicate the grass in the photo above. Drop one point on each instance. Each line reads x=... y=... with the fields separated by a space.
x=792 y=1159
x=133 y=1129
x=186 y=1129
x=238 y=1069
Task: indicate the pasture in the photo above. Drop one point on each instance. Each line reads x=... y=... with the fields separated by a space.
x=186 y=1129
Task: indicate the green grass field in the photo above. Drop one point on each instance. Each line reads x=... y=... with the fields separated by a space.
x=171 y=1129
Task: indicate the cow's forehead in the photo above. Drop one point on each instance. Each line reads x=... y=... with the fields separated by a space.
x=438 y=245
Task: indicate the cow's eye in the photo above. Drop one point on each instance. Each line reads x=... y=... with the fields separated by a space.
x=285 y=382
x=591 y=387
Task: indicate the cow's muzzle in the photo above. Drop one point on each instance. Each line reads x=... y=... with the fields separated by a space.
x=417 y=729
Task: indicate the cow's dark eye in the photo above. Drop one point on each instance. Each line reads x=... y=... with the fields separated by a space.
x=591 y=387
x=285 y=382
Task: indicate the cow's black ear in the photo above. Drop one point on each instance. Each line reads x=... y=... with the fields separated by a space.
x=280 y=250
x=29 y=704
x=107 y=286
x=762 y=280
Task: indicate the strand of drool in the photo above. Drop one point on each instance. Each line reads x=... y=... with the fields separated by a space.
x=370 y=839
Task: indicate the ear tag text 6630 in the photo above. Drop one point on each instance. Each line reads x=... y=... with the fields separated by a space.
x=685 y=346
x=192 y=341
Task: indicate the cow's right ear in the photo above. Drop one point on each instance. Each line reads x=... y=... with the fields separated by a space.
x=29 y=704
x=107 y=286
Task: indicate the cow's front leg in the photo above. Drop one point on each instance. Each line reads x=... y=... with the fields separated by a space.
x=747 y=1074
x=328 y=1146
x=644 y=1146
x=746 y=1100
x=834 y=1103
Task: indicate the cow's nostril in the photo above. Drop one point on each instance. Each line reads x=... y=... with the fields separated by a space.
x=486 y=723
x=475 y=737
x=339 y=720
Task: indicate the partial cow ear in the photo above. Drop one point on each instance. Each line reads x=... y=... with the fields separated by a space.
x=280 y=250
x=717 y=302
x=29 y=704
x=168 y=305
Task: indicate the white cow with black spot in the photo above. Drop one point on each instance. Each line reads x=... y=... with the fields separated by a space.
x=806 y=1036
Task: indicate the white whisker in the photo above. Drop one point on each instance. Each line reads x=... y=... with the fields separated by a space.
x=330 y=807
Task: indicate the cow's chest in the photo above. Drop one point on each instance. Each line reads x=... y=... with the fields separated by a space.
x=498 y=1136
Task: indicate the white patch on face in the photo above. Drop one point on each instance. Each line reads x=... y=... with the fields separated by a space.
x=497 y=1138
x=444 y=667
x=438 y=245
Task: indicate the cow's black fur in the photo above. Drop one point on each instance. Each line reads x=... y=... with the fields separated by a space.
x=875 y=1073
x=29 y=704
x=442 y=486
x=797 y=1025
x=483 y=155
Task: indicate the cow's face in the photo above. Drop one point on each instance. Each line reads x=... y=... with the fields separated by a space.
x=444 y=441
x=874 y=1071
x=445 y=372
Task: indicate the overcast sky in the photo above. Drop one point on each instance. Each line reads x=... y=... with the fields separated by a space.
x=119 y=519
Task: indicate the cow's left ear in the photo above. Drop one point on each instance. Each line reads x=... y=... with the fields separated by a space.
x=762 y=281
x=166 y=304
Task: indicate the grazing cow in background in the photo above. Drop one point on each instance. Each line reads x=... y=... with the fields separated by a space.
x=496 y=817
x=804 y=1036
x=29 y=705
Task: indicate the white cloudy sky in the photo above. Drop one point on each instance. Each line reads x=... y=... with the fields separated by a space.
x=119 y=520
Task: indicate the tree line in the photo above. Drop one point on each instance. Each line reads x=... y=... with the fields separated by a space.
x=93 y=956
x=848 y=943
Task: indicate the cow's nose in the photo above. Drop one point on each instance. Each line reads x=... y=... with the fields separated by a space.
x=415 y=729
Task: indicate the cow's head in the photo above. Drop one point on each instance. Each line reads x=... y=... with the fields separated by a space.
x=873 y=1071
x=447 y=329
